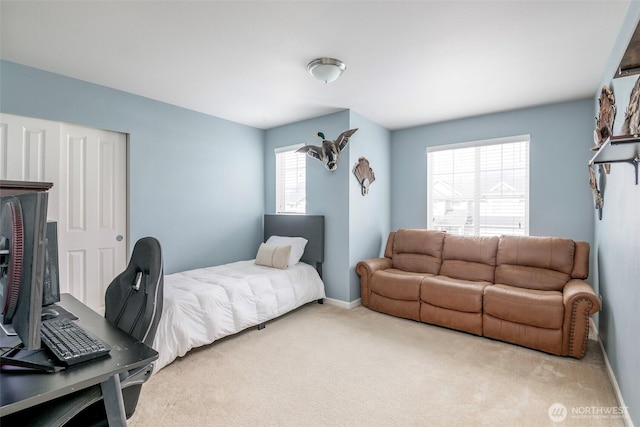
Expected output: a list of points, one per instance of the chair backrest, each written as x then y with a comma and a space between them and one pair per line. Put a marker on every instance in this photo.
133, 301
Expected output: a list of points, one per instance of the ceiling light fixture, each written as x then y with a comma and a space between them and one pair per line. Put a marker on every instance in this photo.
326, 69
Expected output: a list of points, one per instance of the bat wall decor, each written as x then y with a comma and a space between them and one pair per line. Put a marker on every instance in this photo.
329, 152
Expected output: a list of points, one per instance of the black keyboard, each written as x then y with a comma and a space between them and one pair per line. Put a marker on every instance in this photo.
71, 344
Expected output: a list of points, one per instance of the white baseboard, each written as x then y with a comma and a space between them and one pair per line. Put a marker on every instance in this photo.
342, 304
612, 377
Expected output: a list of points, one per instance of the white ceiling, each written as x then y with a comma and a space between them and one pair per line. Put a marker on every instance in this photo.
408, 62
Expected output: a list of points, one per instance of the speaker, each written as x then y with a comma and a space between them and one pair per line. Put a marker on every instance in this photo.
51, 282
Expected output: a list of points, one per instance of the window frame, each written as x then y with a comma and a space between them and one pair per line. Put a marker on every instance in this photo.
280, 180
476, 227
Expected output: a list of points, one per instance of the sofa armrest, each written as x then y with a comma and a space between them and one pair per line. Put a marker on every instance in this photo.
580, 301
365, 269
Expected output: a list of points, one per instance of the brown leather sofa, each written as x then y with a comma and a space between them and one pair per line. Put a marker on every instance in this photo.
524, 290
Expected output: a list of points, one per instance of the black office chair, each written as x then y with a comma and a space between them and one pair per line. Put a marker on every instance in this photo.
133, 302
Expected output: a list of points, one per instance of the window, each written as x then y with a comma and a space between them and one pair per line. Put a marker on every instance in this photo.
291, 177
479, 188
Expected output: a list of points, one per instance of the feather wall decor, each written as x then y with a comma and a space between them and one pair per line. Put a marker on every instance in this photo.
631, 125
364, 174
605, 119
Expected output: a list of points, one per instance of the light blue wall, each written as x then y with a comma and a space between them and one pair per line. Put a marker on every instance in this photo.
560, 199
617, 244
354, 225
195, 181
369, 216
327, 192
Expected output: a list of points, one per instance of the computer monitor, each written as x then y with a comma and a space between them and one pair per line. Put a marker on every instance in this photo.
23, 223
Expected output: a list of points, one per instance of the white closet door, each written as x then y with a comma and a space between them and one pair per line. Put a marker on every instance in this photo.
30, 151
88, 199
93, 215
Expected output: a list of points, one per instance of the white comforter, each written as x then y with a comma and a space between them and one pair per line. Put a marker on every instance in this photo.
203, 305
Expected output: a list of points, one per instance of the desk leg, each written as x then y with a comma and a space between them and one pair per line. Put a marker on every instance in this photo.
113, 403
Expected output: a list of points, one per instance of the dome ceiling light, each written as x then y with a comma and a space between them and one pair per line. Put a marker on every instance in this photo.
326, 69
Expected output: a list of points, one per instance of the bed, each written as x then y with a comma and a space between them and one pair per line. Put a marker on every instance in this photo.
203, 305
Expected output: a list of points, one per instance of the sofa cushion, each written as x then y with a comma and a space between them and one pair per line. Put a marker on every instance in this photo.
549, 340
468, 322
581, 261
543, 309
388, 249
395, 271
469, 257
543, 263
399, 286
531, 277
454, 294
394, 307
419, 251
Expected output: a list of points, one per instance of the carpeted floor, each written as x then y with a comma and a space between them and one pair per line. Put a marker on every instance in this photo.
326, 366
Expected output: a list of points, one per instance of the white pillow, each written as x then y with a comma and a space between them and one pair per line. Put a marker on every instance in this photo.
297, 246
273, 256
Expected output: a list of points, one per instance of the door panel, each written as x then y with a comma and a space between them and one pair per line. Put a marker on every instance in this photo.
30, 151
88, 199
95, 208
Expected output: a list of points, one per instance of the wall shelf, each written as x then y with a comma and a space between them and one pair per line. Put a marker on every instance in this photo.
630, 63
619, 149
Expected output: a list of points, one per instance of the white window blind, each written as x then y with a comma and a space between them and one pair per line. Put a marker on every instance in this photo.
479, 188
290, 180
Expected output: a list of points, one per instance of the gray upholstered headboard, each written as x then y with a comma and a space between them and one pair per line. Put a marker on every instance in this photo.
311, 227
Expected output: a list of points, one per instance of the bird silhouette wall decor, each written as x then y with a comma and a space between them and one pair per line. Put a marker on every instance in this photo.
329, 152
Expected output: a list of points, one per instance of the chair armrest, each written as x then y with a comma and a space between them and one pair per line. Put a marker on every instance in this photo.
577, 289
136, 376
580, 301
365, 269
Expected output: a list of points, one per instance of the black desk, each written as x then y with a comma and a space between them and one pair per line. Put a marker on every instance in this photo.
19, 391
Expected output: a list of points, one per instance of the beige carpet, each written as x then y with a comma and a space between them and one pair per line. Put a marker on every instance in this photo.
326, 366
